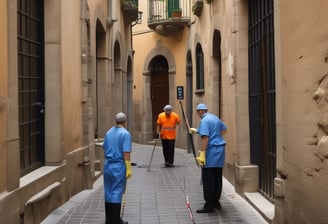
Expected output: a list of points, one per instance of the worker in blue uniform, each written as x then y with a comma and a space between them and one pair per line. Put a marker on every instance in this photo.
117, 168
211, 157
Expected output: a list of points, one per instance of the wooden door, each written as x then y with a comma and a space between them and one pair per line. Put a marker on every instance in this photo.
159, 92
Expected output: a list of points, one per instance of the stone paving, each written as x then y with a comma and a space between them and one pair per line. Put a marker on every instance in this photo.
158, 196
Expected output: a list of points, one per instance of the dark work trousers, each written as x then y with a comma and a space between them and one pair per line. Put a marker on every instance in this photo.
168, 151
113, 213
212, 186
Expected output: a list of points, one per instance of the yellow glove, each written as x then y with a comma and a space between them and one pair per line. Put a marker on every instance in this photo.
193, 131
128, 173
201, 159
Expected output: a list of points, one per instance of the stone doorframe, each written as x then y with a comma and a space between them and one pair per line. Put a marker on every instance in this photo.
146, 122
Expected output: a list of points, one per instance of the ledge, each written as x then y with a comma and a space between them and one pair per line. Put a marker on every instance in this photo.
261, 204
35, 175
43, 194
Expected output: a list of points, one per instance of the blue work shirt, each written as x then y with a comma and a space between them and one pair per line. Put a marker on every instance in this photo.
117, 141
211, 126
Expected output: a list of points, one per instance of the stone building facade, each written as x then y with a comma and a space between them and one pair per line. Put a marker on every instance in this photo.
65, 70
262, 67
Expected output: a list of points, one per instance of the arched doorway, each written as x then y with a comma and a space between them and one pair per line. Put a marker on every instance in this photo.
118, 80
129, 77
216, 52
159, 87
98, 87
189, 94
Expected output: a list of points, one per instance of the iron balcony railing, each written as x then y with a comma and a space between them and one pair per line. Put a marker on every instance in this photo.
169, 12
132, 3
130, 10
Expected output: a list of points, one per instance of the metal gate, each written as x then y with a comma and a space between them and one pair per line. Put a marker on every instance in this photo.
30, 83
262, 93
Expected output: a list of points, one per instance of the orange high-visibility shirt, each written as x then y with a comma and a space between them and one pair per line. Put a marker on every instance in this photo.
168, 125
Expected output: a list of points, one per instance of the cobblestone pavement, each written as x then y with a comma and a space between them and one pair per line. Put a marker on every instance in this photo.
158, 196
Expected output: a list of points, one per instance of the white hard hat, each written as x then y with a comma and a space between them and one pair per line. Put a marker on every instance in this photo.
167, 107
201, 106
120, 117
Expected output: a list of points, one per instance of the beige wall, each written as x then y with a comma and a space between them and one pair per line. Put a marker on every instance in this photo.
71, 156
71, 78
302, 38
175, 45
3, 94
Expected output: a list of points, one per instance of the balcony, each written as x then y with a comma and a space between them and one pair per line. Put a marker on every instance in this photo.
130, 10
197, 7
168, 16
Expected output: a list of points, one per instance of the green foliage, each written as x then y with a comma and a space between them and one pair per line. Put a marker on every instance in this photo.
132, 3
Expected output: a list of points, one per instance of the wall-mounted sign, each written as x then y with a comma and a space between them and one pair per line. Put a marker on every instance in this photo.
180, 92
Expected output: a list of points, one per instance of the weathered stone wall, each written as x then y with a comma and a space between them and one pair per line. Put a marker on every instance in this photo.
3, 95
302, 59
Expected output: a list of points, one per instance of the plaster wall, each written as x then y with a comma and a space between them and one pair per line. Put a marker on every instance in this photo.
99, 66
303, 151
31, 197
67, 170
71, 75
141, 52
3, 94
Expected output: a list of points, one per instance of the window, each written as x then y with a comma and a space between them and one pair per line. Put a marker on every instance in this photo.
199, 69
31, 84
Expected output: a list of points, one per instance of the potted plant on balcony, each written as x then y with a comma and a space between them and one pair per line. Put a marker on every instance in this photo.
197, 7
177, 13
131, 3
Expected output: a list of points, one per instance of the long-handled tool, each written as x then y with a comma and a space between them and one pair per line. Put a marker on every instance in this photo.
124, 199
188, 202
189, 134
190, 211
152, 153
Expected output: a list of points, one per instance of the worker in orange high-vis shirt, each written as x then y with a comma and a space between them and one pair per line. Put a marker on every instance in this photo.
167, 123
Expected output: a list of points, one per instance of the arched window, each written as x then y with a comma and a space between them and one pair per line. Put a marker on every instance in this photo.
199, 69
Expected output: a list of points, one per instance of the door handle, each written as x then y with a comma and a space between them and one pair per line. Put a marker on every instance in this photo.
40, 106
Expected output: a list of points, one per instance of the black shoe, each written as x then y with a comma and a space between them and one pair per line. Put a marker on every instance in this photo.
205, 210
218, 206
124, 222
170, 165
167, 165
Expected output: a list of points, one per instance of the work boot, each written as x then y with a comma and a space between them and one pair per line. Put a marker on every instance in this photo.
218, 205
116, 214
205, 210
